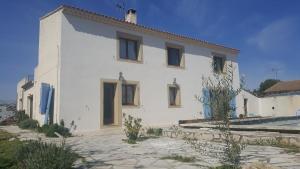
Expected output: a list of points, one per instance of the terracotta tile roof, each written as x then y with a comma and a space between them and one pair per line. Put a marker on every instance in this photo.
285, 86
92, 15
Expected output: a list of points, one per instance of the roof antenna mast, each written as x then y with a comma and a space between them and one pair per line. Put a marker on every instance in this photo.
275, 71
121, 6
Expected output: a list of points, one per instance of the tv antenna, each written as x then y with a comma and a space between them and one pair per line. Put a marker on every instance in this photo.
121, 6
275, 71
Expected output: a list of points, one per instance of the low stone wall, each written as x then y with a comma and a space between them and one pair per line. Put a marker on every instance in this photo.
263, 120
214, 135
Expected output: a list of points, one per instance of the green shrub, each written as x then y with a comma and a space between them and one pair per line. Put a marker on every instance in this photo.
5, 135
37, 155
154, 131
288, 147
132, 128
179, 158
8, 149
21, 116
50, 130
15, 154
62, 122
28, 124
225, 166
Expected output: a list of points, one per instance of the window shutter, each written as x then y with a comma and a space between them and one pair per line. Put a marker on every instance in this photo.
206, 104
44, 92
233, 105
136, 95
48, 105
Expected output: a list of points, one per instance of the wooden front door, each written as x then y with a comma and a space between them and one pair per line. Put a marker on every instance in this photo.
245, 107
30, 104
109, 90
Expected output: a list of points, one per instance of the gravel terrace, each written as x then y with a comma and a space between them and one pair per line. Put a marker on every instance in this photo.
105, 149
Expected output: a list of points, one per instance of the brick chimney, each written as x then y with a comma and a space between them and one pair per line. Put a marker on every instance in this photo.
131, 16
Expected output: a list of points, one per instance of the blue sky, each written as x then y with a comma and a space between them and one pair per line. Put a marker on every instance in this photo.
266, 31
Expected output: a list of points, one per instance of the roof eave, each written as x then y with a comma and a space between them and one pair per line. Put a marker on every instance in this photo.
82, 12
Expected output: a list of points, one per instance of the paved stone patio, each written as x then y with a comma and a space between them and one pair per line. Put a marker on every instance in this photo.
105, 149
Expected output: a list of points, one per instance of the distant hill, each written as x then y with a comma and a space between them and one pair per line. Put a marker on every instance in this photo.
7, 101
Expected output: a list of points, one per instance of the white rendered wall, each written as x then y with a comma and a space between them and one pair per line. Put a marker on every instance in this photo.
20, 93
47, 70
284, 105
26, 106
88, 54
252, 105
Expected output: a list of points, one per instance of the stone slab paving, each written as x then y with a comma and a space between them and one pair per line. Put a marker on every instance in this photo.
105, 149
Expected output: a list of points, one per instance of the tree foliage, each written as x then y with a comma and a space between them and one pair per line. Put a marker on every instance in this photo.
222, 91
265, 85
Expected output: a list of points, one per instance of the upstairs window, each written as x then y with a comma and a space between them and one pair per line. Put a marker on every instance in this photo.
175, 55
218, 64
174, 96
128, 49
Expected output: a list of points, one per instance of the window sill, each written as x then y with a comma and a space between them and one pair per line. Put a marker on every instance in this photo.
176, 67
130, 106
130, 61
220, 73
107, 126
174, 106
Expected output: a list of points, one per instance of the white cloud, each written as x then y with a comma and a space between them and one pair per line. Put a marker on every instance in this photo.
274, 36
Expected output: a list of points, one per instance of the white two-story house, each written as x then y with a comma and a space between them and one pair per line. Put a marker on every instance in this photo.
92, 68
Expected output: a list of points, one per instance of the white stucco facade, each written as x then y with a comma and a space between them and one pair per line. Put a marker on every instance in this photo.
76, 54
23, 94
251, 107
280, 105
275, 105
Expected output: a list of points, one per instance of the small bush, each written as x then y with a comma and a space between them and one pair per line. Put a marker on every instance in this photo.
5, 135
132, 128
21, 116
50, 130
259, 165
15, 154
28, 124
289, 148
154, 131
8, 149
62, 122
179, 158
36, 154
225, 167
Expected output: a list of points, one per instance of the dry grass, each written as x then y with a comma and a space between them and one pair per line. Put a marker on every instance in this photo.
179, 158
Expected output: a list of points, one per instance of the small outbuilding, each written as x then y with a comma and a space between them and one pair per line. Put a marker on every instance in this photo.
282, 99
